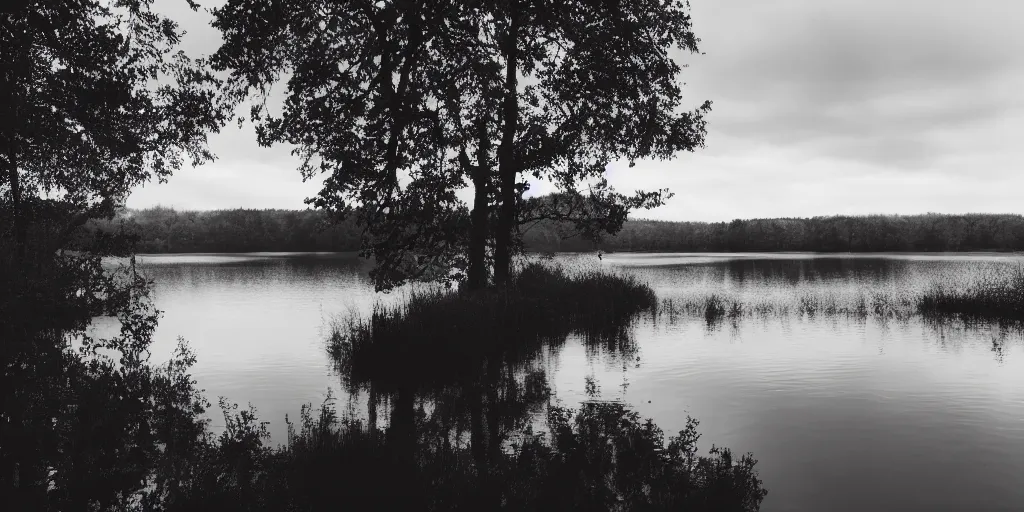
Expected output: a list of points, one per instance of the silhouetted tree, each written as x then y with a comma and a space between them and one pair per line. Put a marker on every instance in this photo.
599, 85
95, 100
401, 103
361, 107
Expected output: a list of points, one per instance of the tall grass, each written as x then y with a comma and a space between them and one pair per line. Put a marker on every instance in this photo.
998, 298
715, 307
440, 336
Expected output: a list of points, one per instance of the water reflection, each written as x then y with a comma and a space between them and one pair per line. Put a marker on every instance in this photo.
464, 376
867, 408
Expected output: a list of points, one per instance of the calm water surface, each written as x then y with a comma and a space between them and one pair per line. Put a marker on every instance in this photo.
842, 413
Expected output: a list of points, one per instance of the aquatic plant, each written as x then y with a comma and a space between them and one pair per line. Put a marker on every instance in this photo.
994, 298
439, 336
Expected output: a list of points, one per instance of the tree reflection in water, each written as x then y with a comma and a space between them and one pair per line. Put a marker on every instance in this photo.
470, 419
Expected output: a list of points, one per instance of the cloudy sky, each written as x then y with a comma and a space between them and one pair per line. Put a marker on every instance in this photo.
821, 107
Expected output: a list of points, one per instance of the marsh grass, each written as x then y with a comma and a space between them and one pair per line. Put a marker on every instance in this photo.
716, 307
440, 336
995, 298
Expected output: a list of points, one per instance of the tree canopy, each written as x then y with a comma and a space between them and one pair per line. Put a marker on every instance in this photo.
402, 103
95, 98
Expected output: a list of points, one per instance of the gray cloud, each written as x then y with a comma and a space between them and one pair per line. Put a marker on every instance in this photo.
844, 50
820, 107
869, 81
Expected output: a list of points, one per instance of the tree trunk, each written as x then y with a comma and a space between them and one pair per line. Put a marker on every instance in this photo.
480, 174
507, 165
478, 238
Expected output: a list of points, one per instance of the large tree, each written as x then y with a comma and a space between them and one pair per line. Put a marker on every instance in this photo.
95, 98
400, 103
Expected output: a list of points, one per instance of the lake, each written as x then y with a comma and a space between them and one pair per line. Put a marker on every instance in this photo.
843, 412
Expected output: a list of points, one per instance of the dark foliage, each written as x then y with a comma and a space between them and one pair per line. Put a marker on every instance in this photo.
600, 457
401, 103
88, 422
95, 98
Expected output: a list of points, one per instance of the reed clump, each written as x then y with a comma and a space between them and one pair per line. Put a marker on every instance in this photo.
999, 299
715, 307
439, 336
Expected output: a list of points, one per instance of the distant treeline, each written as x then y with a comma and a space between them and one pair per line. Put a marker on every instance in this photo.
874, 233
164, 230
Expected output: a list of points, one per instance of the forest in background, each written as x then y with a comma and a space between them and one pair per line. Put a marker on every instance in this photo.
165, 230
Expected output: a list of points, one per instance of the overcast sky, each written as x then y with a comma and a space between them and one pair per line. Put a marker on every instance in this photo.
821, 107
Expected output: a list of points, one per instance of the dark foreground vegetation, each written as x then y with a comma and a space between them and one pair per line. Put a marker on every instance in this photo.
165, 230
599, 457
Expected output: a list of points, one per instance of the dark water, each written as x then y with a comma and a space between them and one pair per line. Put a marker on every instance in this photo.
843, 413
